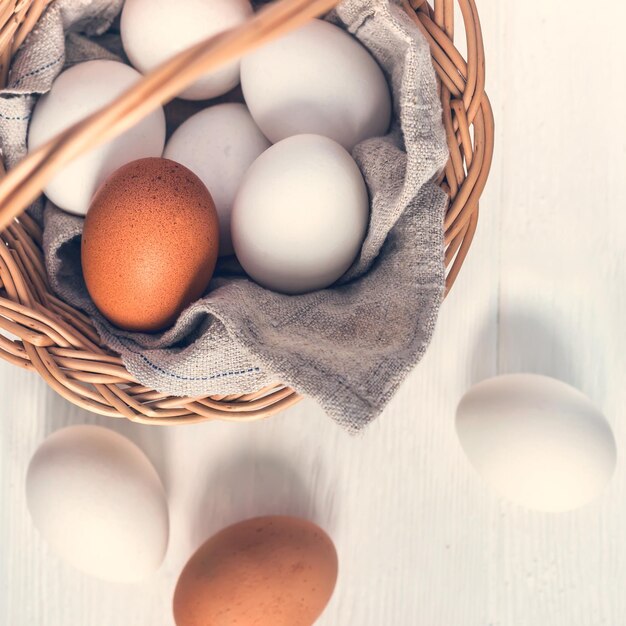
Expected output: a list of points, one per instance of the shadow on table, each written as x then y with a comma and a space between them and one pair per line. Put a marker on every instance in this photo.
251, 484
526, 341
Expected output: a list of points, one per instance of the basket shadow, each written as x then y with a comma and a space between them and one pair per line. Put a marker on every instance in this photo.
527, 341
250, 485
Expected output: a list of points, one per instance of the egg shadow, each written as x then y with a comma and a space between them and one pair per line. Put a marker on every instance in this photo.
526, 341
250, 485
150, 439
178, 111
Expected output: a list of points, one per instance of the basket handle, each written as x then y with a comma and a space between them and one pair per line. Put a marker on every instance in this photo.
24, 183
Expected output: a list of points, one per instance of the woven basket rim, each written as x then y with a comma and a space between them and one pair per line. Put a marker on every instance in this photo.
60, 343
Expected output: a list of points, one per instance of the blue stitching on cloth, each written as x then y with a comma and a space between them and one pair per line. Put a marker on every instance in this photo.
39, 69
212, 377
4, 117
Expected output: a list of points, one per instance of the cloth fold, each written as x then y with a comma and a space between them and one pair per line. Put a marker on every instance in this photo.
349, 346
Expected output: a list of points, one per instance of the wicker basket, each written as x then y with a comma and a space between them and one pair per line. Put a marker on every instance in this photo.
60, 343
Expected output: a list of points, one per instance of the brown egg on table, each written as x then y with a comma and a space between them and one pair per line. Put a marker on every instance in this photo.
150, 244
267, 571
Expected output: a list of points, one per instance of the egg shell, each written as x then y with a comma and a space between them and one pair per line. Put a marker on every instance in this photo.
149, 244
76, 93
219, 144
317, 79
537, 441
300, 215
268, 571
155, 30
99, 503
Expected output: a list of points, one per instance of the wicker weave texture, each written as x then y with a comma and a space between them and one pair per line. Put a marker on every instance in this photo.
59, 342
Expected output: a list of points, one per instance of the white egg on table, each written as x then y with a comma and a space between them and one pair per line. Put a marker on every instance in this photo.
537, 441
300, 215
153, 31
317, 79
77, 93
99, 503
219, 144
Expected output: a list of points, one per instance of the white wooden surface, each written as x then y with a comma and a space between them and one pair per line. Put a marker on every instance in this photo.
421, 540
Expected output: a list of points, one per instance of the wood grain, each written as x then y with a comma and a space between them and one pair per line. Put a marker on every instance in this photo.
421, 540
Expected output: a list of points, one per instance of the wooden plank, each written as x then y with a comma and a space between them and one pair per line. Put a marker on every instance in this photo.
562, 291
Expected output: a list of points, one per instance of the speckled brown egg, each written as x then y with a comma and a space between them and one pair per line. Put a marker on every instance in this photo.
267, 571
150, 244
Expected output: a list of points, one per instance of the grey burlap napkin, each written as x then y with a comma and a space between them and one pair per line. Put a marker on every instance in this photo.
350, 346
